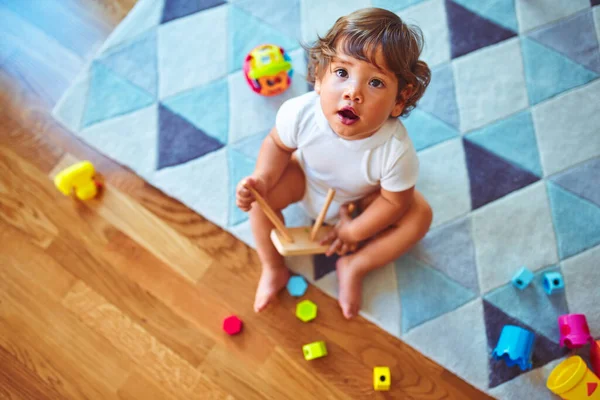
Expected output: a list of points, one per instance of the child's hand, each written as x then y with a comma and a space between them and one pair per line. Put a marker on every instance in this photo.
341, 243
243, 197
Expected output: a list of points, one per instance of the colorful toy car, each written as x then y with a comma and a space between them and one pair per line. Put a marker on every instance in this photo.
268, 70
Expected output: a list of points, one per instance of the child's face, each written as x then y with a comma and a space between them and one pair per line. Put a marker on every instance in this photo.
356, 96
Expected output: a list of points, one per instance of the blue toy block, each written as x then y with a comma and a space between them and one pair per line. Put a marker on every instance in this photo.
522, 278
553, 282
297, 286
515, 346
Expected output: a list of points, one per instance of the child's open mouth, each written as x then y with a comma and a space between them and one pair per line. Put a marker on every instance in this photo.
348, 116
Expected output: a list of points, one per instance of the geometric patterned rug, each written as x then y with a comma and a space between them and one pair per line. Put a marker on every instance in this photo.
508, 135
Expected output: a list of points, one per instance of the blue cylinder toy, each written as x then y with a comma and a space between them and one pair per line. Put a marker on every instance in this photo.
515, 346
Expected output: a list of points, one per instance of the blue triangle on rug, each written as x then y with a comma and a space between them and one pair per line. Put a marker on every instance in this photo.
513, 139
502, 12
470, 31
426, 130
450, 250
206, 107
283, 15
110, 96
395, 5
440, 97
578, 180
182, 8
549, 73
421, 303
179, 141
574, 37
576, 221
250, 145
532, 306
240, 166
544, 350
136, 62
246, 32
492, 177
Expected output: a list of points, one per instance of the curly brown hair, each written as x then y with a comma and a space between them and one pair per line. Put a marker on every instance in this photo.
361, 34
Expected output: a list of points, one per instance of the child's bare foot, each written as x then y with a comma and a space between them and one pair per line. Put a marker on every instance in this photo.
272, 280
350, 287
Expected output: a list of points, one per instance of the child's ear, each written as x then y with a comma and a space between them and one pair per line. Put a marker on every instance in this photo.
398, 108
401, 102
318, 86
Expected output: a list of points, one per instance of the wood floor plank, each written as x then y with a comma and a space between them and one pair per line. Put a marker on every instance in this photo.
196, 305
145, 228
32, 222
41, 334
299, 378
153, 357
80, 250
41, 269
21, 383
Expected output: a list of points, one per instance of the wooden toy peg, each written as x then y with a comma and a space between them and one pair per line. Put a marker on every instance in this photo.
271, 215
321, 217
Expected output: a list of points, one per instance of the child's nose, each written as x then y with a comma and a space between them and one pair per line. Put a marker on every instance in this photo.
353, 93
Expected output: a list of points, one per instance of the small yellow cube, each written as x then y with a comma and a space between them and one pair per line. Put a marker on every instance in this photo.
314, 350
381, 378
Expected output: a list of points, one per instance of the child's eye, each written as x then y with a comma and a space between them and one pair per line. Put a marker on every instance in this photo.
377, 83
342, 73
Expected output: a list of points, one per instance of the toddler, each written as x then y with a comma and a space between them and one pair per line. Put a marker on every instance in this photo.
346, 135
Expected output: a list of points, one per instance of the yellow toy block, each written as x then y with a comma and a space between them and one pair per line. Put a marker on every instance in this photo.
381, 378
314, 350
78, 177
306, 311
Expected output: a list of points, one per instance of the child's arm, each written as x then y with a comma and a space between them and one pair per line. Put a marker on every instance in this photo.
273, 157
384, 211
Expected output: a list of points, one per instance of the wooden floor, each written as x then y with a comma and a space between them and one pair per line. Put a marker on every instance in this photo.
124, 296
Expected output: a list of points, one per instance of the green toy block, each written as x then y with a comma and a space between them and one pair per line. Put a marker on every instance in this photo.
314, 350
306, 311
381, 378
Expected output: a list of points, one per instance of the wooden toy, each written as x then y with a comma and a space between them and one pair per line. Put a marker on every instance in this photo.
314, 350
381, 378
297, 286
553, 282
296, 241
572, 380
522, 278
574, 331
232, 325
515, 347
79, 178
306, 311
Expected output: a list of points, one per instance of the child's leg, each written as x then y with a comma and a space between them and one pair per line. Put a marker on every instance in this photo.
289, 189
385, 247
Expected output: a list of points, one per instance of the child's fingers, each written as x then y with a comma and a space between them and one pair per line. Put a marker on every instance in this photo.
242, 205
343, 249
334, 247
328, 237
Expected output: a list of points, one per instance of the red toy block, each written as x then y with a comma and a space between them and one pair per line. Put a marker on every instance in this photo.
232, 325
595, 356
